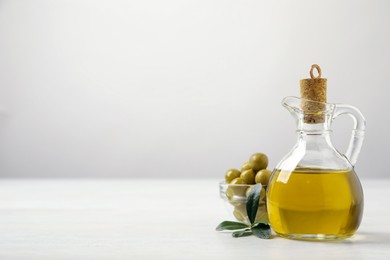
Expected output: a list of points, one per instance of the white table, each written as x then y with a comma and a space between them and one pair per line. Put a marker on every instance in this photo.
158, 219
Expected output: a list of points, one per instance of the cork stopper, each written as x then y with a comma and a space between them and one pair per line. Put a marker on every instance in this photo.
313, 89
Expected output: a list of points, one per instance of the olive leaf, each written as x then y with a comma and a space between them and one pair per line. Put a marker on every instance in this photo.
231, 225
242, 233
261, 230
253, 202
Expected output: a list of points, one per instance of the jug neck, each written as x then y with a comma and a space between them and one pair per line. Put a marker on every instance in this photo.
317, 135
314, 129
315, 138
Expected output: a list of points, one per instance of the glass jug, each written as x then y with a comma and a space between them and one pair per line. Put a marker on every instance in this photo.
314, 193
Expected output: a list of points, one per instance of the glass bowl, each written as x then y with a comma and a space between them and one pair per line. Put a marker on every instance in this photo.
235, 198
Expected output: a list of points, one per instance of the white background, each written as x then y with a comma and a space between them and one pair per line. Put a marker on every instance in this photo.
181, 88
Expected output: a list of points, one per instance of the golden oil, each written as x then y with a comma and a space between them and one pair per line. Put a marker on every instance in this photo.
310, 203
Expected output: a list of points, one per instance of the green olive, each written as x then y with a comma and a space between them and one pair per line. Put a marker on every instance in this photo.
240, 211
258, 161
238, 215
230, 193
238, 190
262, 194
262, 202
245, 167
238, 180
231, 174
248, 176
241, 207
263, 177
262, 214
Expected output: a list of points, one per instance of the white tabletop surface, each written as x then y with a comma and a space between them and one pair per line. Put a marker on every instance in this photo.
158, 219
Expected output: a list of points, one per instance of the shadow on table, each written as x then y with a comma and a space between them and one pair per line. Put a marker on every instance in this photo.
367, 238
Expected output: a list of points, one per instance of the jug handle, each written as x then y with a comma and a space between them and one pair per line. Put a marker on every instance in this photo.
356, 142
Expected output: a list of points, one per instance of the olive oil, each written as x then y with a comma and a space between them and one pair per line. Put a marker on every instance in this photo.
310, 203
